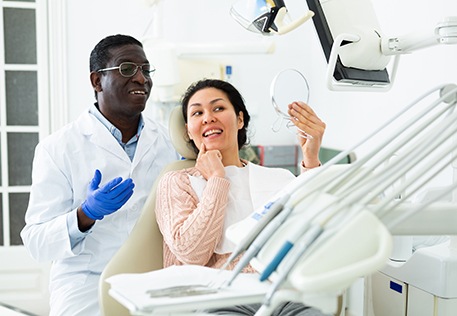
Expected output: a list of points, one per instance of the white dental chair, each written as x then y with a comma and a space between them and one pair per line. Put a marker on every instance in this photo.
142, 251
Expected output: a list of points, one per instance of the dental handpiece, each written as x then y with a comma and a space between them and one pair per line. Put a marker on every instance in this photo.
259, 242
283, 251
270, 211
294, 235
311, 236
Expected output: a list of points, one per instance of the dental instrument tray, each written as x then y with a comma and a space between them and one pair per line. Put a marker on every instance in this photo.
183, 288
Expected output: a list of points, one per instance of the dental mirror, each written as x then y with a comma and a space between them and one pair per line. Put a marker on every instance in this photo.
288, 86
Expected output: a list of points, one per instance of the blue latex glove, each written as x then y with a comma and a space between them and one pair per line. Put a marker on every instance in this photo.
107, 199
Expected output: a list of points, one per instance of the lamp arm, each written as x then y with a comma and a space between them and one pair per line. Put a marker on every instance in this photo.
444, 33
283, 29
408, 43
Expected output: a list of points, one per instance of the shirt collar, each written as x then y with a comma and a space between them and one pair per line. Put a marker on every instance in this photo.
113, 129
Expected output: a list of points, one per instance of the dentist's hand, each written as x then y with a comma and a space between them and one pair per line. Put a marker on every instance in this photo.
107, 199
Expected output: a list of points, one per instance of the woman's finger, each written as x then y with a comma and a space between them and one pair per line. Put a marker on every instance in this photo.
202, 150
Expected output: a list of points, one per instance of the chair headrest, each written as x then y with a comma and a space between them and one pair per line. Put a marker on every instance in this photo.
178, 134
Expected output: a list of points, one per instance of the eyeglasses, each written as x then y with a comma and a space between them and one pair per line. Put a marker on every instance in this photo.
129, 69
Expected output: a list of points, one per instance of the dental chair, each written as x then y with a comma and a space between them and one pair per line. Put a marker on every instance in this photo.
142, 251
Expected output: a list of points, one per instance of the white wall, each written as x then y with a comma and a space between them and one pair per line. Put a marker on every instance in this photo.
349, 115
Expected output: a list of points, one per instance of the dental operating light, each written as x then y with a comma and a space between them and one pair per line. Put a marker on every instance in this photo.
357, 51
267, 17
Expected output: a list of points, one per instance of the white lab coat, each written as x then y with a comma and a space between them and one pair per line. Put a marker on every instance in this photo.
63, 166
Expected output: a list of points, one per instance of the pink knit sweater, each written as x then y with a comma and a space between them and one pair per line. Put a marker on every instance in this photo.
191, 228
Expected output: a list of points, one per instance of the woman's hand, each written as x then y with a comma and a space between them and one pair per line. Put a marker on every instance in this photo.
209, 163
308, 123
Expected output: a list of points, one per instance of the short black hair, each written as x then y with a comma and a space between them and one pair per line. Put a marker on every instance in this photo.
234, 97
100, 55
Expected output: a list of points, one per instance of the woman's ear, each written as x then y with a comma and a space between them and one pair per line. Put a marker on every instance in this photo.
240, 120
95, 81
188, 134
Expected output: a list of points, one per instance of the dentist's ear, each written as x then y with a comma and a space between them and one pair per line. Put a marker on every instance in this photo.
95, 81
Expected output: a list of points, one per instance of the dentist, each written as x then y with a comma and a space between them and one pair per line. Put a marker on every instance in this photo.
91, 178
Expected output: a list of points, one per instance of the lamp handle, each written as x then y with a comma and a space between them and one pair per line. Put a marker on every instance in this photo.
283, 29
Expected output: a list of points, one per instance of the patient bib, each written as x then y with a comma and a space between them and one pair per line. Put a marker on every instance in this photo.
239, 203
250, 188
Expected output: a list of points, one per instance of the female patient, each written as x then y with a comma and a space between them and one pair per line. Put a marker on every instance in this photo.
196, 205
